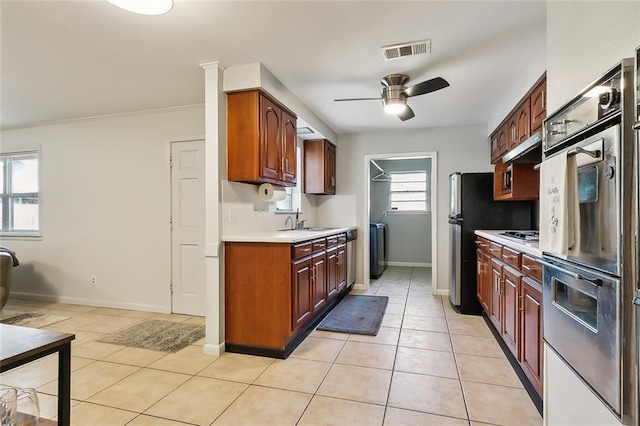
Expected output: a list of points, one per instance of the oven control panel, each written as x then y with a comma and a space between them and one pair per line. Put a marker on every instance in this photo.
599, 100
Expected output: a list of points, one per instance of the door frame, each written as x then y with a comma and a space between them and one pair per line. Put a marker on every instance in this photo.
167, 168
366, 207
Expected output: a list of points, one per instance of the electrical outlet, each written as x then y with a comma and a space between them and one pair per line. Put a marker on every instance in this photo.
232, 216
94, 281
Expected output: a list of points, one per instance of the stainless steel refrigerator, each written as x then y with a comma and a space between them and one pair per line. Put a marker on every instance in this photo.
472, 207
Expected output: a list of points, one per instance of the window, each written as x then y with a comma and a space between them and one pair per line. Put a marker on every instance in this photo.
408, 191
293, 200
20, 203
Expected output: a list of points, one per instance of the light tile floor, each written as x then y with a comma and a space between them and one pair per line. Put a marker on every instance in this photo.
427, 366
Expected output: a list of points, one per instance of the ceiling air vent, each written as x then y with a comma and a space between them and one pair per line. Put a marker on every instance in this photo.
398, 51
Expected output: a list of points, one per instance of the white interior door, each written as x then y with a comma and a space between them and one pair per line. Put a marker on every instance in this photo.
188, 227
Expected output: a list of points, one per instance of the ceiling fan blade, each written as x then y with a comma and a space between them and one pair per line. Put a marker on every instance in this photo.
357, 99
406, 114
426, 87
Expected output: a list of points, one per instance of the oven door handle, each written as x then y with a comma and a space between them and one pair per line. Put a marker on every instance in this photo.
595, 281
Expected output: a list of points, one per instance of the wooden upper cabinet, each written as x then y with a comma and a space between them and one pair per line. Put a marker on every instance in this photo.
319, 167
499, 143
289, 147
270, 139
538, 106
512, 136
494, 148
503, 141
523, 122
261, 140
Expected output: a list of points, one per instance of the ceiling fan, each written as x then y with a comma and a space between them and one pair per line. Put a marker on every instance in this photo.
394, 93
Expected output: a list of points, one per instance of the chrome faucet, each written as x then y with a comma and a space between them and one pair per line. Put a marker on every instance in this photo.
287, 220
299, 223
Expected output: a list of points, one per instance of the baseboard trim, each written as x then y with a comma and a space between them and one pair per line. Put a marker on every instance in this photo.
358, 287
441, 292
410, 264
213, 349
92, 302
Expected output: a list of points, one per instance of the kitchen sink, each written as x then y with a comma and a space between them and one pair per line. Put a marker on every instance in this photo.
312, 228
320, 228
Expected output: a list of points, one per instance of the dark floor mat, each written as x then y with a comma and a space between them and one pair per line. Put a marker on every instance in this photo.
357, 315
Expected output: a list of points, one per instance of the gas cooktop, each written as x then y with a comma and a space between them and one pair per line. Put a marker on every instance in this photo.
522, 235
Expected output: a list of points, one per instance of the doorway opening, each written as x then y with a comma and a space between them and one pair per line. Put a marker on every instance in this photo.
400, 214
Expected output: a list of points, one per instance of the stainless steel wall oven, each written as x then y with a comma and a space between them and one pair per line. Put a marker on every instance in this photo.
588, 293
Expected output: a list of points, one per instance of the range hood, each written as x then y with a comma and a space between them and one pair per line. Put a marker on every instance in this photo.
529, 151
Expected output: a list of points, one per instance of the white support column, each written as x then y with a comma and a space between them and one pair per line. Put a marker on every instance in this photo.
215, 170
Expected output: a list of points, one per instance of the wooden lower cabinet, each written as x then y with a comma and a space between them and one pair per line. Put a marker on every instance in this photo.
319, 280
332, 273
510, 323
275, 293
531, 327
483, 280
302, 292
341, 270
510, 292
495, 310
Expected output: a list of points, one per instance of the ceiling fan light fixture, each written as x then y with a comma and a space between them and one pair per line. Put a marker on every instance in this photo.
395, 106
144, 7
393, 100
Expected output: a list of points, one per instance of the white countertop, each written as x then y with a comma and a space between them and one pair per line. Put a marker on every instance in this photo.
530, 248
285, 237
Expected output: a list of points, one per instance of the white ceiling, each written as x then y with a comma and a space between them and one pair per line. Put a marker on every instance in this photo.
70, 59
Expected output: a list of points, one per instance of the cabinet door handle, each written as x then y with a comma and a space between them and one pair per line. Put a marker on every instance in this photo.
521, 302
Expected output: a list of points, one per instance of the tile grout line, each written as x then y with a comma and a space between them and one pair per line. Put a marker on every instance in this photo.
395, 356
455, 360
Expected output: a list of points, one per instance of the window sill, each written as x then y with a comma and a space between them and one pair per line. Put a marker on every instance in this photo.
408, 212
24, 237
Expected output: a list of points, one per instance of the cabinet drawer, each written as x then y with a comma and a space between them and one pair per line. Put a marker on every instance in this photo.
332, 241
301, 250
531, 267
342, 238
495, 250
483, 243
511, 257
319, 245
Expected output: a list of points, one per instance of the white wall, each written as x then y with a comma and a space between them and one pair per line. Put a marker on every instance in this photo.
512, 95
458, 149
580, 49
105, 208
409, 234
